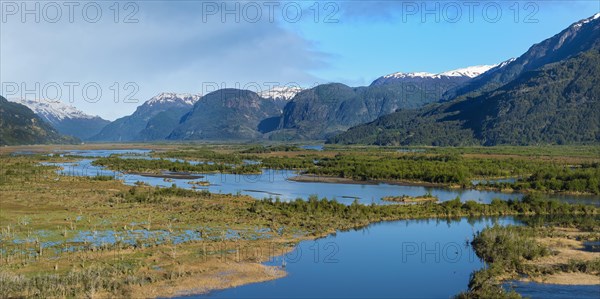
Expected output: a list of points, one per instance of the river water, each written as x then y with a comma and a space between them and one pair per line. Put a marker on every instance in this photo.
273, 183
406, 259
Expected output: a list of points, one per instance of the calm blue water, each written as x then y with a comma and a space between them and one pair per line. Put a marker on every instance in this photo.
274, 183
553, 291
400, 259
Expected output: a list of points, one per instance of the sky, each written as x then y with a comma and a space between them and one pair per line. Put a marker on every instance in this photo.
106, 58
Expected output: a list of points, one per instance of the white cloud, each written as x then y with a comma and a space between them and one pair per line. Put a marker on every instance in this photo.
170, 49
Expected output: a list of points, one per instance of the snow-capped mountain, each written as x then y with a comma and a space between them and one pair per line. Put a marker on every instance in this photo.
67, 119
548, 95
573, 40
171, 97
284, 93
280, 95
469, 72
585, 21
20, 125
453, 77
153, 120
53, 111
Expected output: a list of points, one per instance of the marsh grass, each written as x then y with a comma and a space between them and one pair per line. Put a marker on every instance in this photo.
513, 252
45, 215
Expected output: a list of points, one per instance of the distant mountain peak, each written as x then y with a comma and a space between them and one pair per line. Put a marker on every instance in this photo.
20, 125
506, 62
171, 97
66, 119
457, 76
579, 37
471, 72
282, 93
400, 75
585, 21
53, 111
548, 95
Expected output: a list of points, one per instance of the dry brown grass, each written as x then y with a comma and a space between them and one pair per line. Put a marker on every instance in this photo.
572, 278
565, 247
210, 276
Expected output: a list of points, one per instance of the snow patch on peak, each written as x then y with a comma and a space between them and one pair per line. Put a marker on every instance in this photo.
505, 63
401, 75
53, 111
470, 72
283, 93
172, 97
585, 21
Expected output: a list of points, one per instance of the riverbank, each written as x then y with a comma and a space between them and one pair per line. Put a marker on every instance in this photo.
551, 251
310, 178
567, 247
172, 175
244, 265
411, 199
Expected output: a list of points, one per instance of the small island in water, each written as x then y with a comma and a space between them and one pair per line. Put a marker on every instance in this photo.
411, 199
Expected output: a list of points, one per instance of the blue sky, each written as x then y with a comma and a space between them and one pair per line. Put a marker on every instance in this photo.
187, 46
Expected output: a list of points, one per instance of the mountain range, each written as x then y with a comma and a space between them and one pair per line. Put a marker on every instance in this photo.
20, 125
549, 95
456, 77
153, 120
66, 119
282, 113
329, 109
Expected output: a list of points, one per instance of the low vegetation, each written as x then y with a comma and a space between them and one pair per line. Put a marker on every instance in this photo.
156, 165
67, 236
513, 252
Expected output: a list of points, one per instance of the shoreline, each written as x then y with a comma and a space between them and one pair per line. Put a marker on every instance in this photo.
566, 246
566, 279
410, 199
216, 276
311, 178
183, 176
